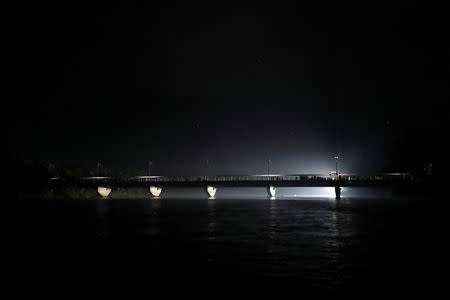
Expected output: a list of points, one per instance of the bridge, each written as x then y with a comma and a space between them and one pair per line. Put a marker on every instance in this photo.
156, 184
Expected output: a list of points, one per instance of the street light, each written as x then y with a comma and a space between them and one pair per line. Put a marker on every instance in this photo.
336, 158
149, 165
99, 164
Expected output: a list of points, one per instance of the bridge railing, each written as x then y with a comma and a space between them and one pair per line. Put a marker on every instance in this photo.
230, 178
249, 178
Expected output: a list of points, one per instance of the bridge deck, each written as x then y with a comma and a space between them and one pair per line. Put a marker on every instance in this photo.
296, 180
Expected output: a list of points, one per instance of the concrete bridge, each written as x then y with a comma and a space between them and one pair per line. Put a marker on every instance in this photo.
156, 184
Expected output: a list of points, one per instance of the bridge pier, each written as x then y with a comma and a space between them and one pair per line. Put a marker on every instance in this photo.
211, 191
337, 191
104, 191
155, 191
272, 190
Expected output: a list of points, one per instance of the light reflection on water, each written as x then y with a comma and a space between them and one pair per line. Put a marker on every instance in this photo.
211, 219
322, 241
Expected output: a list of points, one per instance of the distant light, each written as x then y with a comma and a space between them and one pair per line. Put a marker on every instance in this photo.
103, 191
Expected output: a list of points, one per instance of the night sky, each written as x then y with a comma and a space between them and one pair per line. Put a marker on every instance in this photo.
234, 85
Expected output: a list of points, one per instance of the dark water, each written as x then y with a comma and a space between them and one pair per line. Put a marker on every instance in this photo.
316, 245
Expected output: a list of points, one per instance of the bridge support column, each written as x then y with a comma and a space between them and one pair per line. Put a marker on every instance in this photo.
211, 191
155, 191
104, 191
272, 190
337, 191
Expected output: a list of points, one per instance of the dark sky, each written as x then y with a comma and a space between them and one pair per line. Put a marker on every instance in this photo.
234, 85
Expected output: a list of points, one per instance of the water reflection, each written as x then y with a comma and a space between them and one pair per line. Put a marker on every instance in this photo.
211, 229
156, 207
343, 209
322, 242
342, 224
211, 219
155, 219
103, 219
272, 226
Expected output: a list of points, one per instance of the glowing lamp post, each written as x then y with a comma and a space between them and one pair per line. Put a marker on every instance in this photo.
99, 164
336, 158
